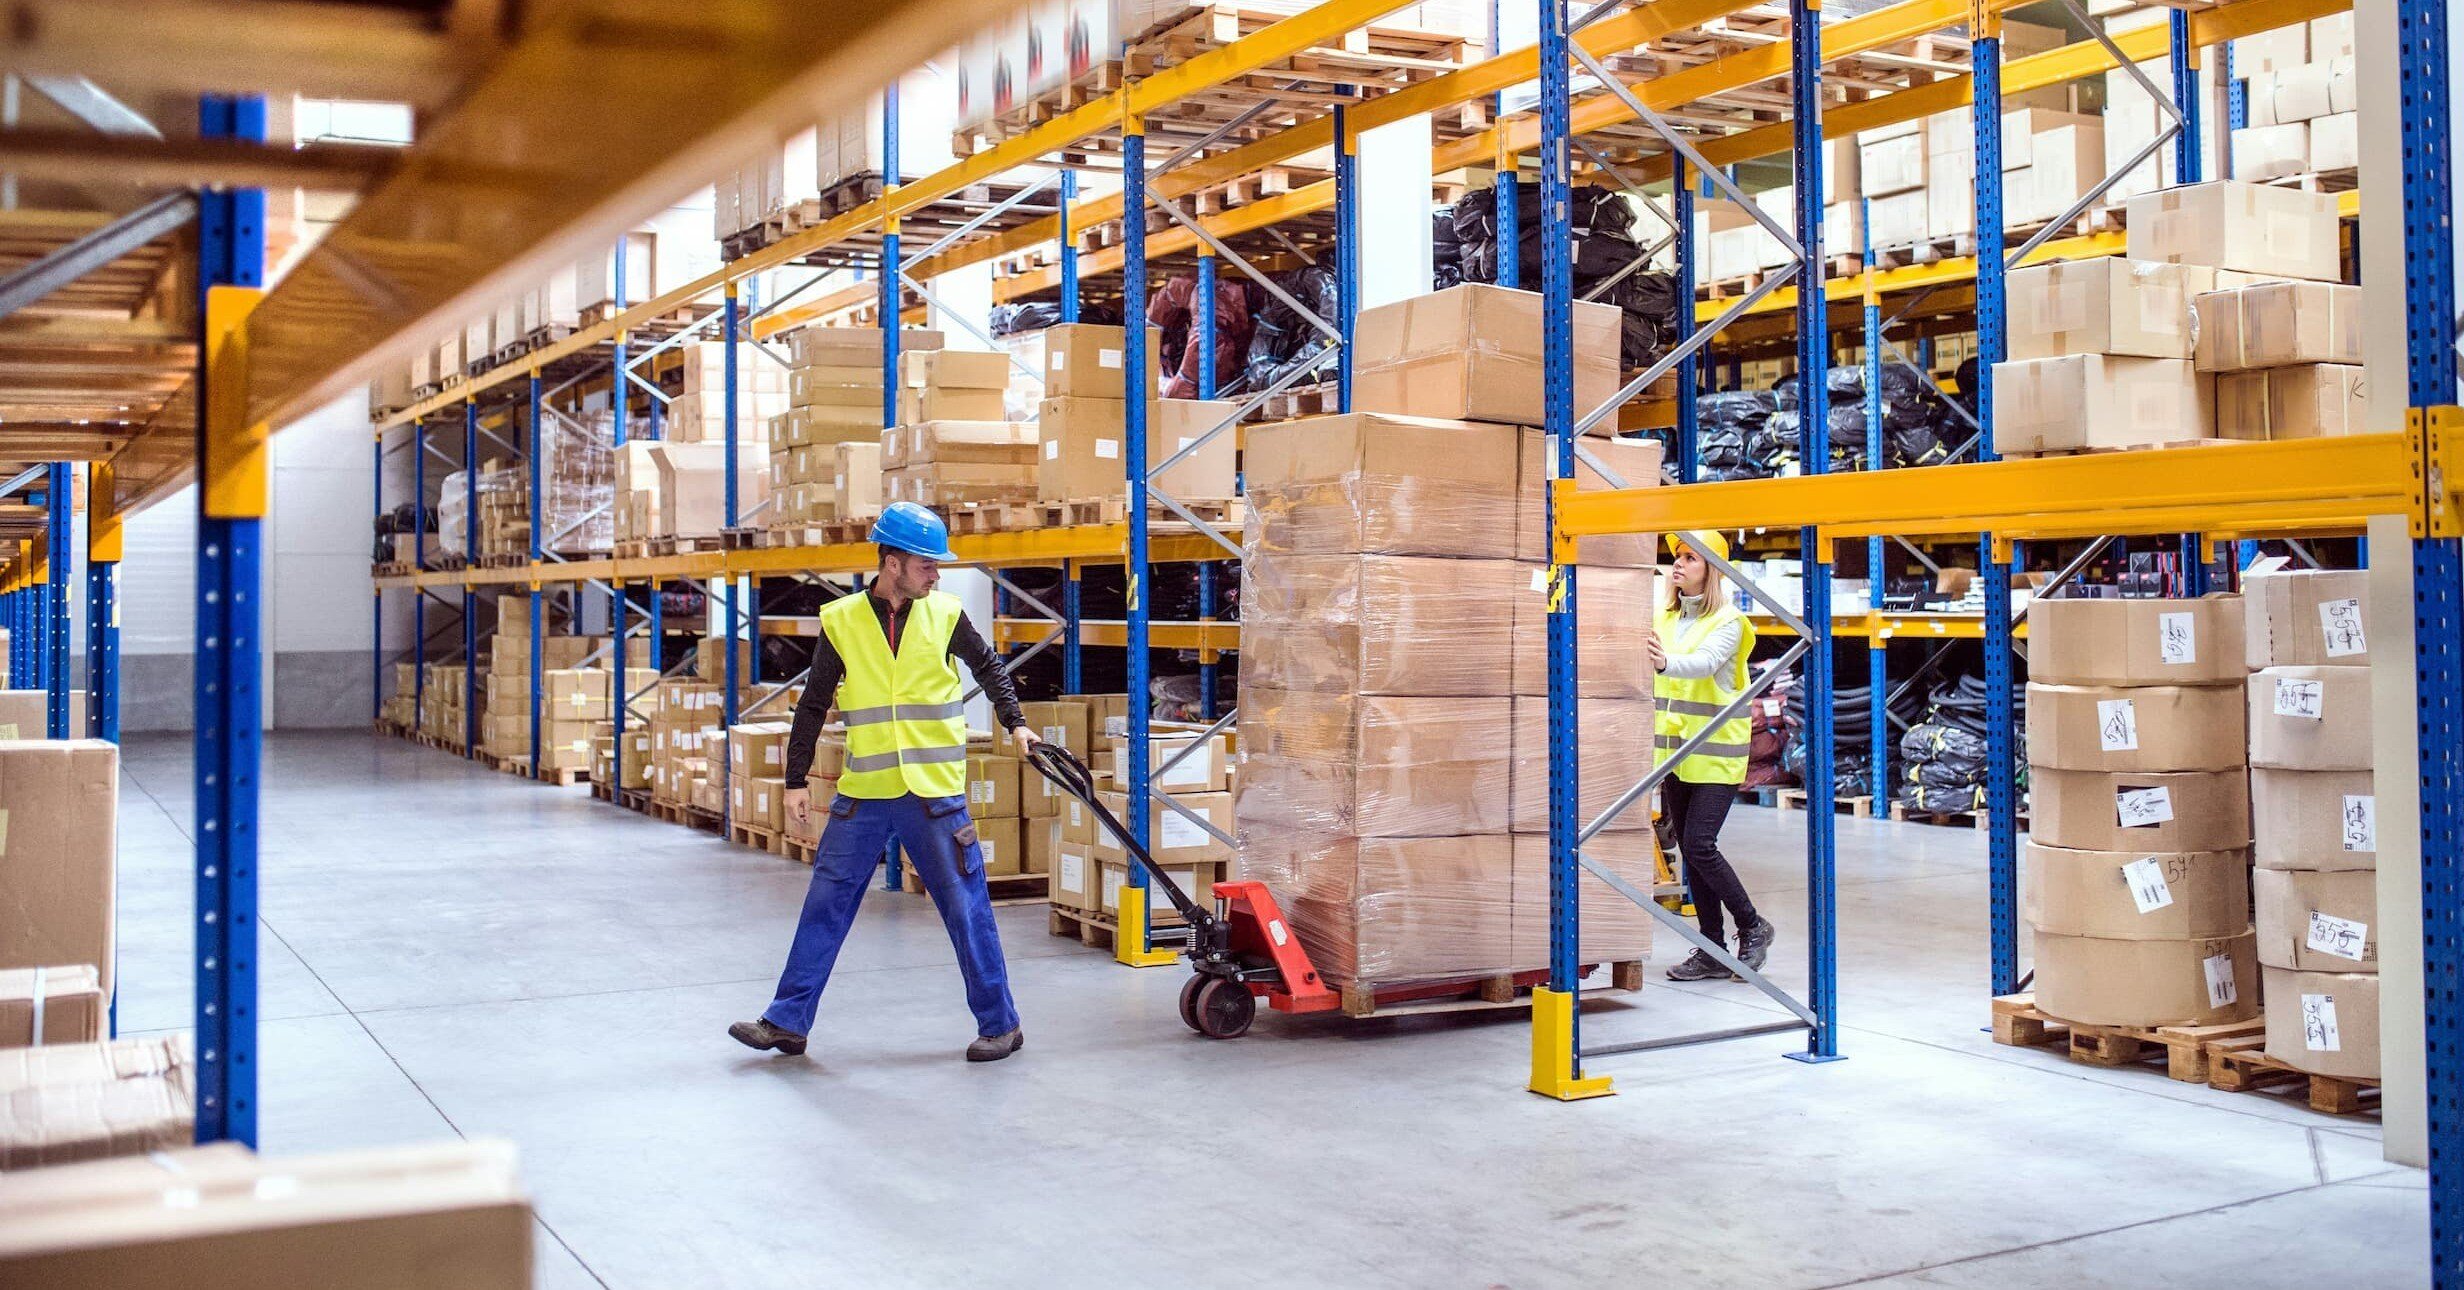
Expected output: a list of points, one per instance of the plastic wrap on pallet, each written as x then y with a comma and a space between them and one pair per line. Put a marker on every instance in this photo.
1375, 624
453, 514
1392, 485
580, 492
1390, 910
1617, 737
1372, 766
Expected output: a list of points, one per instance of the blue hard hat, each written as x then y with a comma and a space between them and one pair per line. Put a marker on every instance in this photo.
913, 529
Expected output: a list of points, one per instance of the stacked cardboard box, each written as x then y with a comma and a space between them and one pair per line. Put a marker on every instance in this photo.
996, 803
2303, 100
442, 703
826, 446
1194, 857
2288, 359
632, 770
683, 737
2138, 858
56, 889
26, 714
2315, 829
85, 1101
1083, 420
219, 1217
51, 1005
2100, 357
952, 443
577, 701
577, 495
756, 771
1472, 353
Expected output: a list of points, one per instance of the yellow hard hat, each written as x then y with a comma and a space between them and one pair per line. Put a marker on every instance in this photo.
1712, 539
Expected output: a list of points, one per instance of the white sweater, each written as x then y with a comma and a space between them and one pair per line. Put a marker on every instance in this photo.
1717, 657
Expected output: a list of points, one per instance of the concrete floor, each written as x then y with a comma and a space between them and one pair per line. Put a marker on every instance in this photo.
452, 951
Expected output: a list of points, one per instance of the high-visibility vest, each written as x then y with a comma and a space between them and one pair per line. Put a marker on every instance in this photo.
1687, 705
906, 724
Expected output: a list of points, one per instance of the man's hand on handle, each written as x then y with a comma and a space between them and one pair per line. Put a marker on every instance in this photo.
799, 804
1026, 739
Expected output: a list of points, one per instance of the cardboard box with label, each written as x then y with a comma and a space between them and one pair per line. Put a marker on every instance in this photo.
1079, 449
1074, 876
1196, 881
997, 841
1617, 753
758, 750
59, 799
2323, 1022
1472, 353
1382, 484
1064, 723
2105, 306
853, 346
51, 1005
2277, 324
2137, 895
961, 443
756, 803
1365, 766
1202, 771
855, 480
941, 486
1084, 360
2310, 718
1620, 607
2292, 402
2317, 921
1374, 624
2296, 617
2251, 228
2135, 728
1211, 471
2096, 401
2110, 982
933, 403
2094, 810
1107, 714
1172, 838
952, 369
2081, 641
1636, 463
992, 787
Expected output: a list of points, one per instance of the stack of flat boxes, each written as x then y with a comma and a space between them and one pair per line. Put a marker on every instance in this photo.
1083, 420
1385, 578
995, 804
699, 414
2315, 826
756, 774
577, 698
1055, 828
2219, 278
2302, 97
683, 730
440, 713
953, 443
634, 771
826, 448
401, 708
2138, 861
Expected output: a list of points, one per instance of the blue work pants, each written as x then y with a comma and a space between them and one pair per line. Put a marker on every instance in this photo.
940, 842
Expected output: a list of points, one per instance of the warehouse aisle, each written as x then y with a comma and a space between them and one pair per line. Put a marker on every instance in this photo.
450, 950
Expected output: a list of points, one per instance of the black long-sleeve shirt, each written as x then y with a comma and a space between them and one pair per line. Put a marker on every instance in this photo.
821, 684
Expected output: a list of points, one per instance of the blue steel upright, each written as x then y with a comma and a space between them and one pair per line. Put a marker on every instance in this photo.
2438, 614
1814, 448
1069, 253
1133, 465
103, 549
61, 502
2001, 771
1688, 445
1509, 268
470, 594
620, 690
732, 325
2185, 98
420, 512
376, 608
538, 518
1558, 414
1204, 338
1877, 645
229, 653
1347, 253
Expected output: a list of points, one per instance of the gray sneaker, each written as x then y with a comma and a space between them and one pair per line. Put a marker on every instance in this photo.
992, 1048
759, 1033
1754, 943
1698, 967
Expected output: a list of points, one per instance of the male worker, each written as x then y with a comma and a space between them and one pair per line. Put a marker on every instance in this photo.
887, 656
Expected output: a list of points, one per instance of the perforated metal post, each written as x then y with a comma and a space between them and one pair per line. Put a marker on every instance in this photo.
1347, 252
376, 607
620, 690
420, 513
1558, 414
2001, 780
470, 595
1509, 266
60, 504
103, 550
1688, 445
2185, 98
1878, 645
1135, 934
1069, 252
538, 619
730, 337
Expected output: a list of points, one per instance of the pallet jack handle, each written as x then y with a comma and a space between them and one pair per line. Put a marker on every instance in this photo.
1072, 777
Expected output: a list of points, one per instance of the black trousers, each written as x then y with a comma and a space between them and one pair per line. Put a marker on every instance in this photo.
1696, 811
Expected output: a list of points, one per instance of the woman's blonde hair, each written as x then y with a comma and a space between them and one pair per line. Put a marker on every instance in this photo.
1714, 583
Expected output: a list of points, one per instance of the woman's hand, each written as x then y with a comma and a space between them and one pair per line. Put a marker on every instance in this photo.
1659, 656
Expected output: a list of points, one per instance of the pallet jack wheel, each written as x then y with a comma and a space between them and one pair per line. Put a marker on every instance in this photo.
1222, 1008
1189, 1001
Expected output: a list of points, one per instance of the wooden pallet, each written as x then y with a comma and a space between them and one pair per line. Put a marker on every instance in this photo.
795, 535
996, 517
1978, 820
1793, 799
1320, 400
2185, 1051
635, 799
2241, 1065
1092, 510
754, 836
1094, 929
682, 545
503, 561
795, 848
1501, 990
1007, 889
520, 765
740, 539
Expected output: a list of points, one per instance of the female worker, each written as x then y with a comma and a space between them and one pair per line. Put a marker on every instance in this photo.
1699, 650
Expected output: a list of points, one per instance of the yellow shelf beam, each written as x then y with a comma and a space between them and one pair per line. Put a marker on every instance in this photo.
1208, 636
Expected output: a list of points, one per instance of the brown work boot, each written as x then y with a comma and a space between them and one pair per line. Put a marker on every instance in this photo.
759, 1033
992, 1048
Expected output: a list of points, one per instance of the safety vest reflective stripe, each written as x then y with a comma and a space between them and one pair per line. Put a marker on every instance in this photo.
951, 711
1691, 708
905, 757
1671, 743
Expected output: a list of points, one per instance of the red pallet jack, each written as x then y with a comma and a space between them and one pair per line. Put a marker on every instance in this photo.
1245, 953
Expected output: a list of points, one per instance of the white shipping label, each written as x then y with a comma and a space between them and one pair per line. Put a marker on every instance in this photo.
839, 482
2148, 890
991, 853
1186, 440
2117, 725
1075, 819
979, 792
2360, 822
1540, 581
1056, 736
1052, 450
1107, 449
2297, 698
1073, 872
1108, 358
2221, 989
2341, 937
1060, 359
2177, 638
2318, 1024
2340, 623
2139, 808
1198, 768
1181, 831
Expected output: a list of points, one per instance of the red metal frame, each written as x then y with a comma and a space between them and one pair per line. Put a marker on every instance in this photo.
1258, 929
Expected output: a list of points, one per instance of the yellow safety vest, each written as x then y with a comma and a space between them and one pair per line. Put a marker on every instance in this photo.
906, 726
1688, 705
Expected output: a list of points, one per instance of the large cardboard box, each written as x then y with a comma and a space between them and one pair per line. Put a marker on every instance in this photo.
759, 803
1473, 353
1202, 771
972, 443
1636, 463
1074, 875
2137, 895
855, 480
1891, 164
1617, 737
69, 1102
2135, 728
1613, 929
2108, 982
1172, 838
1382, 484
2310, 718
2080, 641
1039, 841
2292, 402
953, 369
853, 346
1081, 455
940, 486
1388, 910
25, 714
693, 487
1375, 624
222, 1218
2296, 617
2317, 921
992, 786
934, 403
2096, 401
1107, 714
1212, 470
2105, 306
2323, 1022
60, 800
51, 1005
758, 749
1197, 881
1064, 722
1084, 360
1619, 608
2277, 324
2250, 228
2335, 139
2272, 151
2094, 810
1368, 766
997, 844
